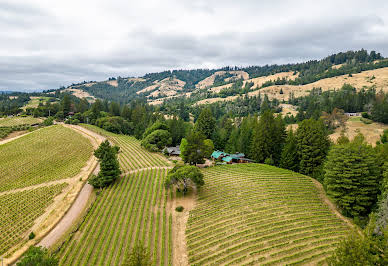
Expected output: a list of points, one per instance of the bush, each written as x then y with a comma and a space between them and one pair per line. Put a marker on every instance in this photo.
179, 208
365, 115
31, 236
48, 121
37, 256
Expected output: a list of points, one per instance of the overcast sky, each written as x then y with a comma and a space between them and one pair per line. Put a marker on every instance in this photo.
47, 44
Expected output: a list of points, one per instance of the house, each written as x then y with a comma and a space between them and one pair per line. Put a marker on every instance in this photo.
230, 158
353, 114
172, 151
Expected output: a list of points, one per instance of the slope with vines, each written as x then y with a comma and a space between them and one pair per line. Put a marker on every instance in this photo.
257, 214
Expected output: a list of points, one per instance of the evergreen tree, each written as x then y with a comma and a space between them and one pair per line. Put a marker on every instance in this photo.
312, 145
66, 104
205, 123
194, 152
268, 138
289, 157
245, 136
109, 165
352, 177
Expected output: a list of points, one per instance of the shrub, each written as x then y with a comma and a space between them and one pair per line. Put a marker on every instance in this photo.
179, 208
31, 236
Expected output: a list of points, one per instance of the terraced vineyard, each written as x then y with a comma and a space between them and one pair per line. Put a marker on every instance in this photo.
254, 214
19, 210
48, 154
132, 156
18, 120
132, 210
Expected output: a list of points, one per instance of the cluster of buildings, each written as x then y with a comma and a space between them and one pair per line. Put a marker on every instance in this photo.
230, 158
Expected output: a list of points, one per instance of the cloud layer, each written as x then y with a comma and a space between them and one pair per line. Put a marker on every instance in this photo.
46, 44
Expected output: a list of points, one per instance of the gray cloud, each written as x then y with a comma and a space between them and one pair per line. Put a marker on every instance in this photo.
46, 44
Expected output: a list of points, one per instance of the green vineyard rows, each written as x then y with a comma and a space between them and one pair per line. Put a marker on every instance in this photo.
131, 211
48, 154
19, 210
253, 214
132, 156
18, 120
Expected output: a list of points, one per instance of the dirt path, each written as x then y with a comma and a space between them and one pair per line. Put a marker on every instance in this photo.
15, 136
145, 169
332, 207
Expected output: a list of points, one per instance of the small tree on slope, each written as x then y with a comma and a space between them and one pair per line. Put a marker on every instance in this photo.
109, 165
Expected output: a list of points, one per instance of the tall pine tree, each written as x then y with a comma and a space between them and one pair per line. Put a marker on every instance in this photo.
352, 177
289, 157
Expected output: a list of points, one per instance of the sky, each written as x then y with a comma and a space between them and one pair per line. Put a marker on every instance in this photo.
45, 44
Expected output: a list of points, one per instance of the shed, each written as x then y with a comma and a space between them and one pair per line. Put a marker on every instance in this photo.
218, 155
173, 151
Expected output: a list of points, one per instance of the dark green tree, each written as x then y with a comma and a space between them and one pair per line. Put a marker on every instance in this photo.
66, 104
312, 144
205, 123
352, 177
157, 140
194, 152
109, 165
289, 156
184, 176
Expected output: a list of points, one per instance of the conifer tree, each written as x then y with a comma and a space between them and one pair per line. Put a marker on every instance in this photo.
289, 157
312, 145
109, 165
352, 177
205, 123
268, 138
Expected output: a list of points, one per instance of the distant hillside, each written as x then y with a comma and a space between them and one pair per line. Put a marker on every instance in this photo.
358, 68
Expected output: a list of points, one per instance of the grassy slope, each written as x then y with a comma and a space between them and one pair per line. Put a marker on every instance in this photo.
18, 120
132, 210
48, 154
260, 214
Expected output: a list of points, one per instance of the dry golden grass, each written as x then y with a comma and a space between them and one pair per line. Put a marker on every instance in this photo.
371, 131
113, 83
260, 80
167, 86
209, 81
288, 109
81, 94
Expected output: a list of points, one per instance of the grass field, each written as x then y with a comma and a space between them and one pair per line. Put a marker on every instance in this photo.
132, 156
254, 214
19, 210
18, 120
48, 154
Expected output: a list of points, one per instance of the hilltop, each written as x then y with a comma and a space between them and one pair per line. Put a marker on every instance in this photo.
357, 68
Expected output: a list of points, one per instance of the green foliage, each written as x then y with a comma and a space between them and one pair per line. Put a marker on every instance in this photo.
205, 123
357, 250
184, 176
37, 256
352, 177
31, 235
109, 165
179, 209
312, 145
138, 256
115, 124
268, 138
48, 121
157, 140
208, 148
158, 125
289, 157
183, 147
194, 152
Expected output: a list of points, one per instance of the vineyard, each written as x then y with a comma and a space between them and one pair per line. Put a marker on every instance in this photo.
132, 210
19, 120
132, 156
19, 210
48, 154
254, 214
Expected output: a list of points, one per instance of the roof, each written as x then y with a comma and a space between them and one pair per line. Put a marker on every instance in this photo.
217, 154
237, 155
173, 150
227, 159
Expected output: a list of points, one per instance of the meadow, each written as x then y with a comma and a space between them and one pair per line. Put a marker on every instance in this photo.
252, 214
